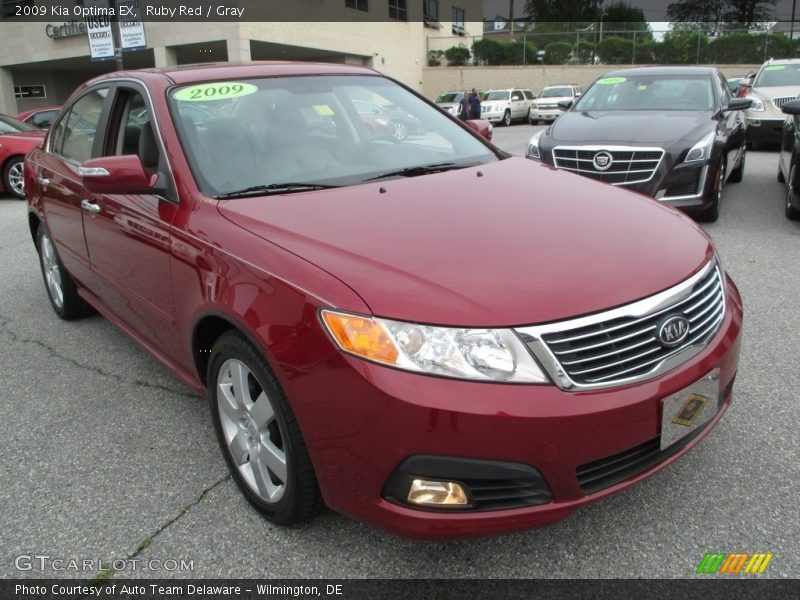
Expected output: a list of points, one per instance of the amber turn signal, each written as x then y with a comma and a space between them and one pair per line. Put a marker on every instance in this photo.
361, 336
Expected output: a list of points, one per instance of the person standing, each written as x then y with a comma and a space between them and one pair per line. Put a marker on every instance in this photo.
463, 110
474, 105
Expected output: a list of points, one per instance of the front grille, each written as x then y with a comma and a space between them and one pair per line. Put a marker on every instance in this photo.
627, 347
779, 102
611, 470
547, 106
628, 166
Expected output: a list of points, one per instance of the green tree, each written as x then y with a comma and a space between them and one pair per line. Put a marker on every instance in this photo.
621, 17
557, 53
519, 52
646, 52
709, 15
457, 55
614, 50
560, 11
488, 51
583, 51
681, 47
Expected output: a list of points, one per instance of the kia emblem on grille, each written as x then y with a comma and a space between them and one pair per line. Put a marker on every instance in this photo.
673, 330
602, 160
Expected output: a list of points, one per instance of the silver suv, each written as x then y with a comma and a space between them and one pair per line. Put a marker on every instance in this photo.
776, 82
545, 107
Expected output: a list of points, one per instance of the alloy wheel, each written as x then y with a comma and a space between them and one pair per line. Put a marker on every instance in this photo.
52, 272
251, 431
16, 179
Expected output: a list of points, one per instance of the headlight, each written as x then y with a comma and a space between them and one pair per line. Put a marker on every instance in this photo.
757, 105
533, 146
701, 150
478, 354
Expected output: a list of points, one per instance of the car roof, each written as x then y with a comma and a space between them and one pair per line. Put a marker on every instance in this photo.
224, 71
661, 71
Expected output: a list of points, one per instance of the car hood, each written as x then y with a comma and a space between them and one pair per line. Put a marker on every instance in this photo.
782, 91
508, 243
637, 127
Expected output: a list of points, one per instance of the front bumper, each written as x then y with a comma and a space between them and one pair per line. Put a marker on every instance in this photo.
764, 131
543, 114
494, 115
365, 420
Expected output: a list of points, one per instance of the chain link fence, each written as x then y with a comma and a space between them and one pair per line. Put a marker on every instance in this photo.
612, 47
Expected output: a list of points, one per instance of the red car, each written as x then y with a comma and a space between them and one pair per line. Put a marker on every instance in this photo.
430, 335
483, 127
16, 140
41, 118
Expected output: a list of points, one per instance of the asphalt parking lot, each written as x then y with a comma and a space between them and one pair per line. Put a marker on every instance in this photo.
107, 456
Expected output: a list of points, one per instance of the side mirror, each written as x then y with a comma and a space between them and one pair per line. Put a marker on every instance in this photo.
116, 175
565, 104
791, 108
744, 90
739, 104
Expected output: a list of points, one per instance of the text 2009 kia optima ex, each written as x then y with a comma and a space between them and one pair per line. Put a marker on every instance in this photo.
427, 334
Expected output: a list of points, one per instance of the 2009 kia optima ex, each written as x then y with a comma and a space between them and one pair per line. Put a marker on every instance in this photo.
428, 334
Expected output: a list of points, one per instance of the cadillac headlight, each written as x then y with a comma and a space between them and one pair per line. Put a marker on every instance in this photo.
533, 146
701, 150
477, 354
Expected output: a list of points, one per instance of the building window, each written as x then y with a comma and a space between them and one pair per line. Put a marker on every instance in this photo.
459, 17
397, 10
430, 11
357, 4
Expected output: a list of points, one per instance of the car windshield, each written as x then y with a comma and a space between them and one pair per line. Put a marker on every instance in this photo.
293, 133
10, 125
777, 75
497, 95
649, 92
555, 92
449, 97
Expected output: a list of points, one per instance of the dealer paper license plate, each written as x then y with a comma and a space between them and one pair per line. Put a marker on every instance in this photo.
690, 409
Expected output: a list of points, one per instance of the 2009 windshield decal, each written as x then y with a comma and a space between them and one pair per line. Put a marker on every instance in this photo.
209, 92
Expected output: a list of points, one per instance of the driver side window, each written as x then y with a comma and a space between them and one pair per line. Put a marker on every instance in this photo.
76, 133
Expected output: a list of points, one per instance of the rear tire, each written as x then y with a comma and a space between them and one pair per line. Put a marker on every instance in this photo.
13, 177
507, 118
258, 433
61, 288
792, 213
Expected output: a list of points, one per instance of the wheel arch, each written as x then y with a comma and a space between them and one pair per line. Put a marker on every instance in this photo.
33, 223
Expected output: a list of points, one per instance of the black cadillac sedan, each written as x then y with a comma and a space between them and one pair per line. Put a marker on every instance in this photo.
673, 133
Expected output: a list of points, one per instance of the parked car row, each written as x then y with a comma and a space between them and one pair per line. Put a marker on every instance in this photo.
400, 329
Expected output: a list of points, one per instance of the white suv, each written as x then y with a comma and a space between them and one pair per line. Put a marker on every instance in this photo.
505, 106
545, 107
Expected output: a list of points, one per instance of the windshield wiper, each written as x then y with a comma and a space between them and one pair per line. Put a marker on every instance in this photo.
421, 170
288, 187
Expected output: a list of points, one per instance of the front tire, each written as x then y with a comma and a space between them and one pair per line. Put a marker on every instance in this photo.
14, 177
61, 288
507, 118
711, 214
737, 174
258, 433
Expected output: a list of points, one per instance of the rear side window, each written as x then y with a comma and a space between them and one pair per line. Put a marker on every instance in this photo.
75, 134
43, 119
528, 94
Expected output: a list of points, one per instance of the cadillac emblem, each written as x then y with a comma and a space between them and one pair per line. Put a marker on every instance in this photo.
602, 161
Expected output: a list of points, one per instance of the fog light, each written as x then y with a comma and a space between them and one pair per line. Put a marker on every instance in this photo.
437, 493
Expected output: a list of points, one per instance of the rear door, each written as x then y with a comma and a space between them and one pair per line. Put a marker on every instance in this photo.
128, 235
519, 107
72, 141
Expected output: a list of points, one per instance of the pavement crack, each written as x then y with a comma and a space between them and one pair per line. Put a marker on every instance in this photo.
5, 327
109, 572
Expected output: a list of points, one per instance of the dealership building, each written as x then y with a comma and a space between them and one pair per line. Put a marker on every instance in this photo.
42, 62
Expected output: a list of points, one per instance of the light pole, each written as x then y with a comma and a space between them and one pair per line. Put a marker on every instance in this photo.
791, 24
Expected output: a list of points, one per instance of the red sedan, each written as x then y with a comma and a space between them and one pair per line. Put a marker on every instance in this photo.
41, 117
16, 140
428, 335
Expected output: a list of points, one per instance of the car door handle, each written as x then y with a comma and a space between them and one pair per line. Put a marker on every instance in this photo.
43, 181
92, 208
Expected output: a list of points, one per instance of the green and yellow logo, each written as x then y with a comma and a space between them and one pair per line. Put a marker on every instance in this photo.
734, 563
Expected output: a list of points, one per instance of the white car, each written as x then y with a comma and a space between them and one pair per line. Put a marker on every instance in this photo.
506, 106
545, 107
